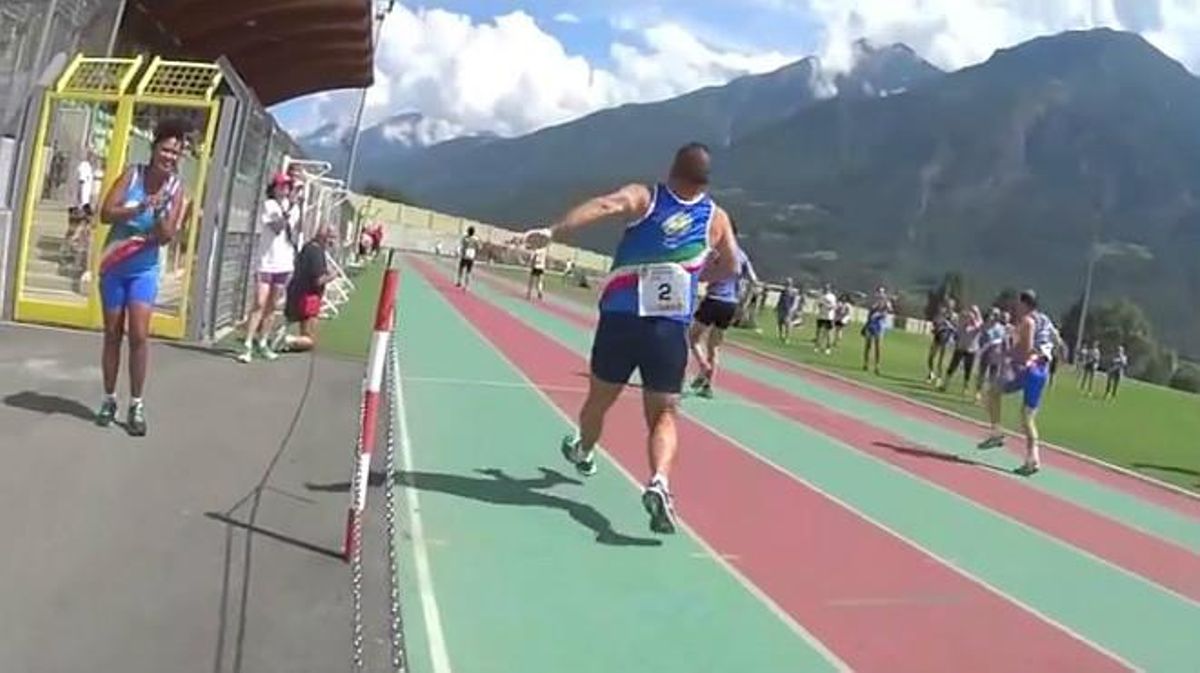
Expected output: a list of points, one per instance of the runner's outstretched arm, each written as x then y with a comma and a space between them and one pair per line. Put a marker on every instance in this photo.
628, 201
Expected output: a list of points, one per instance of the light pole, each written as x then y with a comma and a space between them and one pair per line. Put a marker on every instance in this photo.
380, 15
1097, 252
116, 29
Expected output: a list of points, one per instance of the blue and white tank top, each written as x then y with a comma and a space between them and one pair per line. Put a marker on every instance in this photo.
1044, 333
672, 236
142, 224
726, 289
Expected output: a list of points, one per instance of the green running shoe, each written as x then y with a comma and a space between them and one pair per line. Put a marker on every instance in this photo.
585, 464
107, 413
136, 424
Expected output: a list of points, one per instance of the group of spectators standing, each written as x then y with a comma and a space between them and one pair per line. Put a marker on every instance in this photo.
977, 343
287, 268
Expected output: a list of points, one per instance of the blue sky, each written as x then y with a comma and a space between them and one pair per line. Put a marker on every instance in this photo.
749, 24
472, 66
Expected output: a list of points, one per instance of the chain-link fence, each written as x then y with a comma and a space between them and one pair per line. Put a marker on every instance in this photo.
34, 33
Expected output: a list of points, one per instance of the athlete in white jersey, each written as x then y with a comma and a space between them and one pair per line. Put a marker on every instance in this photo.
537, 274
468, 249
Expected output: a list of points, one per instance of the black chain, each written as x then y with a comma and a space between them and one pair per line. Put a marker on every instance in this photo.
399, 651
356, 569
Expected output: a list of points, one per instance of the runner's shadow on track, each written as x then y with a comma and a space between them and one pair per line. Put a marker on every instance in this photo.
501, 489
930, 454
50, 404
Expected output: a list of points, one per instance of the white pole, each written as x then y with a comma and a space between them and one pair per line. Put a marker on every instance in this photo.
112, 37
362, 99
45, 38
1087, 297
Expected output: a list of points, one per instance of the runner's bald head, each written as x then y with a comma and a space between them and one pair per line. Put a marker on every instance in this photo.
692, 164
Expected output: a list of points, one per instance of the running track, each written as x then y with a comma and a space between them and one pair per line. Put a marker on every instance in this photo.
829, 527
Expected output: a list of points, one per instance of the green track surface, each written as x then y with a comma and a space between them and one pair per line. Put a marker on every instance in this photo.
522, 582
1150, 429
1136, 619
1149, 517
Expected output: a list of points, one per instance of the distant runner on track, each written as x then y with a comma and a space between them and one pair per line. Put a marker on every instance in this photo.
1034, 343
468, 250
537, 275
715, 315
646, 307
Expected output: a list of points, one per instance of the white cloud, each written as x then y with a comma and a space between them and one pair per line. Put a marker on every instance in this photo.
956, 33
508, 76
567, 17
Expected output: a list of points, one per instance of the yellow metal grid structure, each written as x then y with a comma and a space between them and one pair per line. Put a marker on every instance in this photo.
98, 76
179, 81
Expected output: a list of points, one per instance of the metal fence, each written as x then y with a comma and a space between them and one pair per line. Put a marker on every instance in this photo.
36, 33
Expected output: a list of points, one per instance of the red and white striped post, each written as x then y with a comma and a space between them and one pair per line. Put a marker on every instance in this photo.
373, 381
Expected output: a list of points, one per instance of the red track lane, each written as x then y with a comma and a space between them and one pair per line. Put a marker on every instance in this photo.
863, 592
1151, 557
1140, 488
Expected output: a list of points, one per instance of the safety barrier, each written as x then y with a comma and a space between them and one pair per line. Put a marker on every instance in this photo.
382, 368
384, 319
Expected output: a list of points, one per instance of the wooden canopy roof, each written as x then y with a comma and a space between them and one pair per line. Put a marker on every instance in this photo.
282, 48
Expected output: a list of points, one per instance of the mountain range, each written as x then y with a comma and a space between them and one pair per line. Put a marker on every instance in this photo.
1009, 171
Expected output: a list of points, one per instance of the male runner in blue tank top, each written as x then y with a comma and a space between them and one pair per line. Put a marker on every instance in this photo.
646, 307
1034, 344
715, 315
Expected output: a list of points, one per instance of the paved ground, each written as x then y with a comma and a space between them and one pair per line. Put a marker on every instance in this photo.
134, 555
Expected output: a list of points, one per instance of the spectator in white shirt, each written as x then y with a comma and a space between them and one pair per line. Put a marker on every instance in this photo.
278, 230
85, 178
826, 313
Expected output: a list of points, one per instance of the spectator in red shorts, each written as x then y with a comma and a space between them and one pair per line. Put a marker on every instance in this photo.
376, 238
306, 290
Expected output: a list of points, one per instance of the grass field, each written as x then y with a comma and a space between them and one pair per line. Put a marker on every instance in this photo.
1150, 429
349, 334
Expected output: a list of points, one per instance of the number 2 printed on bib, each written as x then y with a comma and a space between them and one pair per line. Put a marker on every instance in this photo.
664, 290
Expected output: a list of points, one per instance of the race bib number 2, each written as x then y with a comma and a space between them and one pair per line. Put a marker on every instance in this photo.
664, 290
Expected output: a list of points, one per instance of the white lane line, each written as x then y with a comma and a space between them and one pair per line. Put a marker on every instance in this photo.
753, 589
884, 527
439, 658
